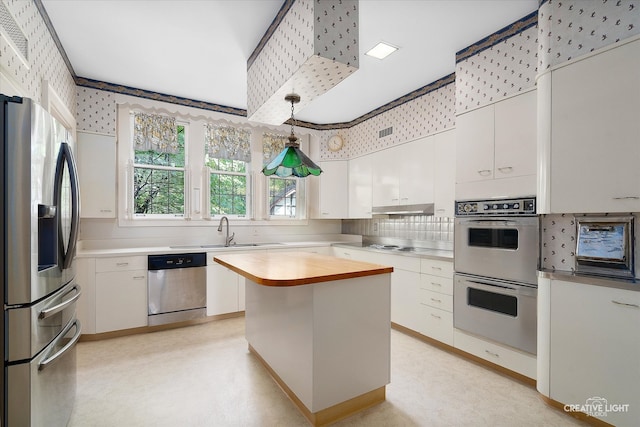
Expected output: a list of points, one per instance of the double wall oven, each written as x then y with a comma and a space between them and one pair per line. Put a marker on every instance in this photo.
496, 259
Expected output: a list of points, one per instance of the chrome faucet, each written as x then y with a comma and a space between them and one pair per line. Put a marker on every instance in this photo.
227, 239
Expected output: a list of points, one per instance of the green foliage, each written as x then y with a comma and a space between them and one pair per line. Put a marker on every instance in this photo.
159, 191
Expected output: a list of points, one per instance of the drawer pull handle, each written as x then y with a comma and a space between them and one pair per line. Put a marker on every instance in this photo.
506, 169
436, 300
436, 268
122, 264
138, 277
485, 172
436, 284
627, 198
626, 304
490, 353
436, 316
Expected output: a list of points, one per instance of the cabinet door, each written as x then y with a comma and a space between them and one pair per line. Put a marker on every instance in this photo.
444, 173
405, 303
415, 171
515, 136
385, 165
333, 190
595, 347
222, 290
475, 145
121, 300
97, 175
595, 150
360, 187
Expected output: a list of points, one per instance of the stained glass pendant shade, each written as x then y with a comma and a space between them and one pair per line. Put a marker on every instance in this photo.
292, 161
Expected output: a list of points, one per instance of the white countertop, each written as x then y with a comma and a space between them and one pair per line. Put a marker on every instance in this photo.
150, 250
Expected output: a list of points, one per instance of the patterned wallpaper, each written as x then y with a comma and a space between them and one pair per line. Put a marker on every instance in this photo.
96, 111
498, 71
558, 242
313, 48
45, 61
569, 29
428, 114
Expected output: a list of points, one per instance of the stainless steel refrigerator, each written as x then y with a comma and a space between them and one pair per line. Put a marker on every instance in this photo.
40, 214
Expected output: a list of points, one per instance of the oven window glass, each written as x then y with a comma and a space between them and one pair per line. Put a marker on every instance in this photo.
503, 238
505, 304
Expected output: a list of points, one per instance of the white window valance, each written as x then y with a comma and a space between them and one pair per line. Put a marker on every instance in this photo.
272, 145
227, 142
155, 132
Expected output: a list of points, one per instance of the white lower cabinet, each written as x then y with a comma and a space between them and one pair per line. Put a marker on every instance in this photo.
594, 349
507, 357
120, 293
405, 309
225, 288
223, 294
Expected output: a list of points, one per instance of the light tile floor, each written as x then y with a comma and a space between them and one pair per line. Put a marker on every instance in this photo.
203, 375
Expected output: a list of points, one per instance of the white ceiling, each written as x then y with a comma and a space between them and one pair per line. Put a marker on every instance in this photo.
199, 49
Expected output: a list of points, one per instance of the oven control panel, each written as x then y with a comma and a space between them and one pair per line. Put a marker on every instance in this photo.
524, 206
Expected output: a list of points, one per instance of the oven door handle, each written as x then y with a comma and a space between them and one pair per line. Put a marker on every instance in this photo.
493, 222
504, 289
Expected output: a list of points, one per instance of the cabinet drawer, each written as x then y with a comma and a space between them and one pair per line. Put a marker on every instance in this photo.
437, 324
514, 360
401, 262
443, 285
436, 300
437, 267
123, 263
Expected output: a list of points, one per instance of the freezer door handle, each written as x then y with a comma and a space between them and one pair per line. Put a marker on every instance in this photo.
58, 354
48, 312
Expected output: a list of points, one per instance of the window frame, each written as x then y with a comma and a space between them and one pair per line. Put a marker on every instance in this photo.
184, 169
248, 192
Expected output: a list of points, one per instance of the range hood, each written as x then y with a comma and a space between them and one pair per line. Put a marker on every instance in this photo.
421, 209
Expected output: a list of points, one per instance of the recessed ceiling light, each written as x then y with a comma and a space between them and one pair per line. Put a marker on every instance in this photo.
381, 50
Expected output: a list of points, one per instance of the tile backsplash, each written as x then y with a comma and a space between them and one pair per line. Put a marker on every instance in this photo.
412, 227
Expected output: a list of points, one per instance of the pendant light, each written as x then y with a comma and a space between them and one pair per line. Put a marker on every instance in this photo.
292, 161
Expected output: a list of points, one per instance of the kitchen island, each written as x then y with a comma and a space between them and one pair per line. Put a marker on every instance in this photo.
321, 327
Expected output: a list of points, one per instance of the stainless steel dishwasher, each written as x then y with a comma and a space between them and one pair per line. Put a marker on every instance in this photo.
177, 287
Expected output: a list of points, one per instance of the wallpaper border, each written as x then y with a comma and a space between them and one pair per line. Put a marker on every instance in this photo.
272, 28
504, 33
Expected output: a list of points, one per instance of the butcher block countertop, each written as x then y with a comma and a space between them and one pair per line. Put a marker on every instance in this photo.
296, 268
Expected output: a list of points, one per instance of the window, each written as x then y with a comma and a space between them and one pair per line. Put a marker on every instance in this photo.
282, 196
283, 193
228, 155
158, 166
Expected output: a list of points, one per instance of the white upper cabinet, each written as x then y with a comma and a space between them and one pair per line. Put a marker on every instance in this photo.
97, 175
332, 191
444, 184
515, 138
404, 174
360, 187
475, 145
594, 151
496, 149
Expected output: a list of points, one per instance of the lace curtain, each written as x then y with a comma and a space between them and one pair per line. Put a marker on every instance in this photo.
272, 145
227, 142
155, 132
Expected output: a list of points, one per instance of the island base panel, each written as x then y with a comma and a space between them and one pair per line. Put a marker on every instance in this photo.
334, 413
328, 342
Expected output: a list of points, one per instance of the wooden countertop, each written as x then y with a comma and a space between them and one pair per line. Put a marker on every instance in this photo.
296, 268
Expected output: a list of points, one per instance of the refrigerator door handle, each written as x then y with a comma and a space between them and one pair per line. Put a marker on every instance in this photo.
59, 307
65, 156
58, 354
